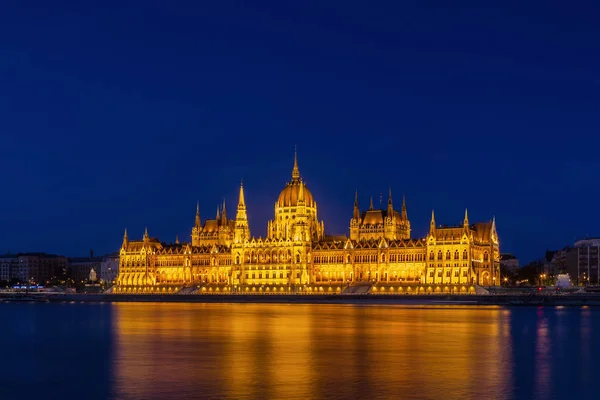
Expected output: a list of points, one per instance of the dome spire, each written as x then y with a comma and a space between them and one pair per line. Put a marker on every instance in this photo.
295, 170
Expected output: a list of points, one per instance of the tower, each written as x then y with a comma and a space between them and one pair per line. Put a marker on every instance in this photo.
241, 230
197, 229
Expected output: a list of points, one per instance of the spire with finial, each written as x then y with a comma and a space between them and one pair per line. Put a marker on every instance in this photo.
241, 199
146, 237
432, 223
125, 239
404, 213
371, 203
356, 215
295, 170
218, 217
241, 230
390, 207
466, 220
197, 225
176, 239
224, 214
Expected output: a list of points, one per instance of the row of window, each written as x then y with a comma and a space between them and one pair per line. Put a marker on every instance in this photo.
465, 273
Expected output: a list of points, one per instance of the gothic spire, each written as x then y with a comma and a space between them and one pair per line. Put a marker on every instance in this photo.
404, 213
295, 170
371, 203
241, 199
198, 214
176, 239
125, 239
356, 215
466, 220
224, 214
432, 223
218, 217
390, 206
146, 237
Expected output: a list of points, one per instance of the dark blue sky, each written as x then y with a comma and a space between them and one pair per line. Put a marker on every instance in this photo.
123, 114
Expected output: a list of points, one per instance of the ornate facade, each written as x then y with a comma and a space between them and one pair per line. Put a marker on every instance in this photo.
296, 256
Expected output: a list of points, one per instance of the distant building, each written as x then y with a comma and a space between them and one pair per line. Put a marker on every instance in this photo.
35, 267
109, 268
586, 270
509, 262
80, 267
8, 264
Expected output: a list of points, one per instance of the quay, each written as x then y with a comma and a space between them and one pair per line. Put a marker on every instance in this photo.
550, 300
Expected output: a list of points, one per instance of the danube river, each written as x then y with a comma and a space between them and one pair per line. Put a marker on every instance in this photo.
298, 351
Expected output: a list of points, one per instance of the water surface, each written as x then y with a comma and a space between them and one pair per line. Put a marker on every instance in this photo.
297, 351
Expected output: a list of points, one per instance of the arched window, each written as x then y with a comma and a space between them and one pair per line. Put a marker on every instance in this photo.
486, 256
237, 259
456, 255
383, 258
431, 256
439, 255
447, 254
298, 258
348, 259
465, 255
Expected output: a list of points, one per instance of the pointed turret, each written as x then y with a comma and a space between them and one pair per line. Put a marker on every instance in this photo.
176, 239
224, 214
295, 170
241, 230
466, 220
432, 223
301, 194
241, 199
197, 224
404, 213
218, 217
390, 207
125, 240
356, 214
146, 237
371, 203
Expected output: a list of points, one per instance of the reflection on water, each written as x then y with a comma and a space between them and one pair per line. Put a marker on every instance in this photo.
310, 351
267, 351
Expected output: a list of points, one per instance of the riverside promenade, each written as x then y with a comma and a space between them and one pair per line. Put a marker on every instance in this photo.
577, 300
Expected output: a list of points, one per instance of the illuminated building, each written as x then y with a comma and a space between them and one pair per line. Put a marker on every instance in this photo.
297, 256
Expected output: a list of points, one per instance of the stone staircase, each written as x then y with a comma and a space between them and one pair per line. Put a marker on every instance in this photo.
358, 288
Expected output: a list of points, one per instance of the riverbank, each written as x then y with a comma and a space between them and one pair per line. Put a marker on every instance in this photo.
576, 300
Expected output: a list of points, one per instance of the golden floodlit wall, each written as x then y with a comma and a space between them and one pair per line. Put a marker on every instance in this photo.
379, 256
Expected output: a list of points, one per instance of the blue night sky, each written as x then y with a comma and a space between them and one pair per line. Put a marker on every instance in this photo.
123, 114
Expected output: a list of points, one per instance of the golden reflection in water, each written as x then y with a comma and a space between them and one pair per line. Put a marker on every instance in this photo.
270, 351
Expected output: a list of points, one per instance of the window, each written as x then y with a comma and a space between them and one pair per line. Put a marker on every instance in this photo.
439, 255
465, 255
448, 255
383, 258
448, 274
486, 256
456, 255
431, 256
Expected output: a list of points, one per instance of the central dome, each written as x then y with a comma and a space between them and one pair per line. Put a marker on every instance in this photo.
290, 193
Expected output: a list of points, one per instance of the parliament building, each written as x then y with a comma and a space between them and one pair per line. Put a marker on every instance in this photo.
379, 256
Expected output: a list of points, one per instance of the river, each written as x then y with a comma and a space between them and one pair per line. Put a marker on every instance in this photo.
297, 351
